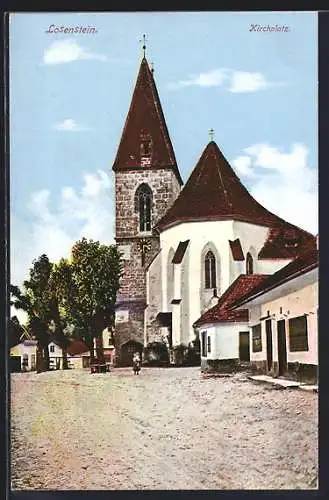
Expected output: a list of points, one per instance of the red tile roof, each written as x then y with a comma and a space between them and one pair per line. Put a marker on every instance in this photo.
308, 260
286, 243
236, 249
221, 311
77, 347
180, 252
145, 118
214, 192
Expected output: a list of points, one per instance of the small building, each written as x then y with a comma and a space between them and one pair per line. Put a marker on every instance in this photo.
55, 355
25, 353
78, 355
224, 334
108, 347
283, 320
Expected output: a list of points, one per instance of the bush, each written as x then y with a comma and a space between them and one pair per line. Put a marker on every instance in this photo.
156, 354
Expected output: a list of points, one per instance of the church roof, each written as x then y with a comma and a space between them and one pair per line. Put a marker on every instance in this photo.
145, 119
214, 192
221, 311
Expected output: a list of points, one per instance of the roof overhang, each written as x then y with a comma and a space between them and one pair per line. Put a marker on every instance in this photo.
277, 290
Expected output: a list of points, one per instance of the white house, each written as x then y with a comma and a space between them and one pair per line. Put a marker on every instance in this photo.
224, 334
26, 351
283, 320
55, 355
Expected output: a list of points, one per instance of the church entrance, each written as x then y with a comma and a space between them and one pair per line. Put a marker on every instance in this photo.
127, 351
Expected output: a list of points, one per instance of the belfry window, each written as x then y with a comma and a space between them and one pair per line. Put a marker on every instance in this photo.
249, 264
210, 270
143, 205
146, 149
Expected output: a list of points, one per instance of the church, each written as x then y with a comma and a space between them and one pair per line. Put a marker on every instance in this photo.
182, 245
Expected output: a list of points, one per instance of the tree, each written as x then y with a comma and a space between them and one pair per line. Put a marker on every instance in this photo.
15, 331
87, 288
40, 303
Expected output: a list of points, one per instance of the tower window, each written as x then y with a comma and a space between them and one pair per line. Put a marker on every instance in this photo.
143, 205
249, 264
210, 270
146, 148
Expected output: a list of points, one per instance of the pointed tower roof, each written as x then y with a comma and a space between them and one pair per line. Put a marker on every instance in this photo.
145, 119
214, 192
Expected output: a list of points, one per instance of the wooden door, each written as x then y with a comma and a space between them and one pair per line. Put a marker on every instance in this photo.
282, 347
244, 346
269, 344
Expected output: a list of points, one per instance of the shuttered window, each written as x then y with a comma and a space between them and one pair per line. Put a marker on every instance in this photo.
298, 337
256, 338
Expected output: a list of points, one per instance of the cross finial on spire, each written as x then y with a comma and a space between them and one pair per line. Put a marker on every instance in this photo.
211, 134
144, 44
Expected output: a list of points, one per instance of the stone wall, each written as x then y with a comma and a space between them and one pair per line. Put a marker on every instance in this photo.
131, 298
165, 189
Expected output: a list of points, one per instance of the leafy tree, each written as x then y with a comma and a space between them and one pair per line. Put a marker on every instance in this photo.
15, 331
87, 287
41, 304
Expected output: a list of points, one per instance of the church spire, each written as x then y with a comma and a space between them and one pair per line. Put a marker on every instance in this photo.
144, 40
145, 141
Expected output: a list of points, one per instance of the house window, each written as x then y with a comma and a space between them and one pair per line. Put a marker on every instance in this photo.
52, 348
298, 337
33, 361
204, 344
209, 344
143, 205
249, 264
256, 338
210, 270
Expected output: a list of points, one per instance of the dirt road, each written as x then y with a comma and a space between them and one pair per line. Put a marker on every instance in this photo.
165, 429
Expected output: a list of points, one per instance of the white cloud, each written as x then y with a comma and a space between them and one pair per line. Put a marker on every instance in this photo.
282, 182
86, 212
212, 78
69, 125
64, 51
233, 81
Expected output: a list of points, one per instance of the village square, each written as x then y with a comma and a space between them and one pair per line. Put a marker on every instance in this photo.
184, 355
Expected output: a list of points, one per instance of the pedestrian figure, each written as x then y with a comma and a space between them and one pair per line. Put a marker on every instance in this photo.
136, 363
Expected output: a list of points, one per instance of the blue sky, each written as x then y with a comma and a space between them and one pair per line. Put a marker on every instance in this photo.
70, 93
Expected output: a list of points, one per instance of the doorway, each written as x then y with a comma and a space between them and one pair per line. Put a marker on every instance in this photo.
269, 345
244, 346
282, 347
127, 351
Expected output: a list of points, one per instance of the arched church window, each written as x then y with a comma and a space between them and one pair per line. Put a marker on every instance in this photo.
249, 264
210, 270
143, 205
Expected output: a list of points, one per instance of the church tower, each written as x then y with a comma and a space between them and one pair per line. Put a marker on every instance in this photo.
147, 182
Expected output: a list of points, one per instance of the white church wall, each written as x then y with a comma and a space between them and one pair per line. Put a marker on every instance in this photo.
199, 233
153, 300
252, 238
267, 266
187, 333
